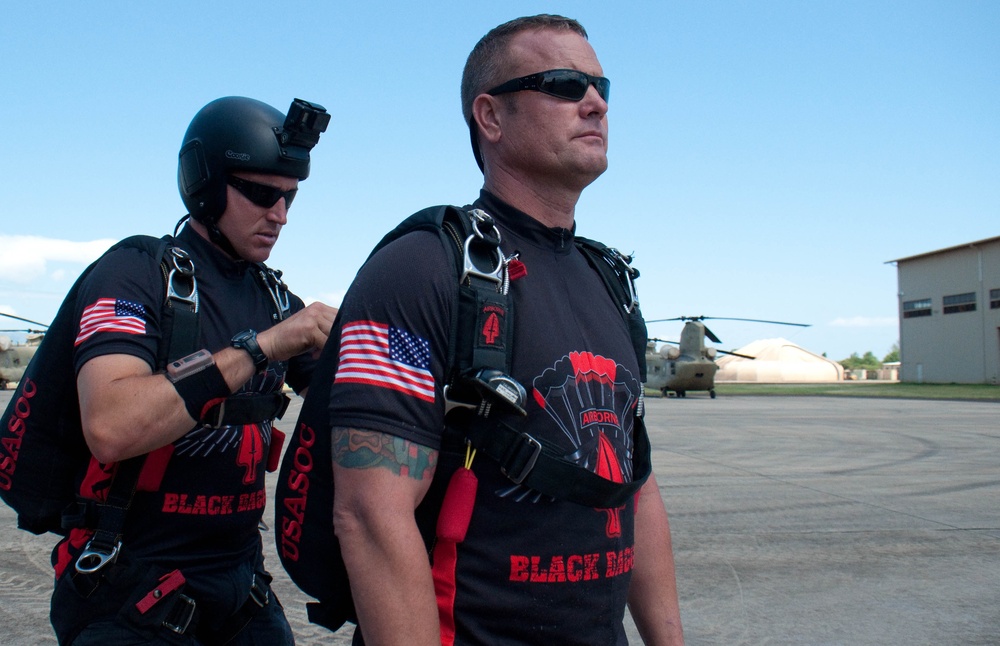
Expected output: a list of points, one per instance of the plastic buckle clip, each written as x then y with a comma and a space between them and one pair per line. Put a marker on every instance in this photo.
92, 560
185, 614
521, 458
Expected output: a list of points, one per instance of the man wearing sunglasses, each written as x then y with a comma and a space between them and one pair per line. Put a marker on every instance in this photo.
532, 568
187, 567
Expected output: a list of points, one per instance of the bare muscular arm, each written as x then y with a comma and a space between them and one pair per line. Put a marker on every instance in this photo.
653, 591
127, 410
380, 479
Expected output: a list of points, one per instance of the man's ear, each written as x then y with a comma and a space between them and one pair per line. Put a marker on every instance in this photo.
485, 110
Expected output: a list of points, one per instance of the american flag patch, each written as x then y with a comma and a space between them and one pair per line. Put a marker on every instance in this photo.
381, 355
111, 315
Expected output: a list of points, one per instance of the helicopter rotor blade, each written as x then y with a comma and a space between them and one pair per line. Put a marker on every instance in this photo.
725, 318
729, 318
18, 318
662, 341
735, 354
711, 335
679, 318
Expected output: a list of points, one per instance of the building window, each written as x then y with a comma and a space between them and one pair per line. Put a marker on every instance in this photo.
995, 299
912, 309
960, 303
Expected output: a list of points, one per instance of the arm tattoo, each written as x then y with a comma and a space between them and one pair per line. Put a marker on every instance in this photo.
358, 449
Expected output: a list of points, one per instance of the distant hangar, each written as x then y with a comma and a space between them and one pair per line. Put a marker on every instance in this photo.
949, 314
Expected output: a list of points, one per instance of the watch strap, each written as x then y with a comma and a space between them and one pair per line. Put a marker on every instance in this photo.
247, 340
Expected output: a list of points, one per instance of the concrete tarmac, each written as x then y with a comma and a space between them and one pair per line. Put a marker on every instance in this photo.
796, 521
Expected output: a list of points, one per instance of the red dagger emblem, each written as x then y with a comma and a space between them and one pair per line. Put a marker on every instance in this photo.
609, 468
251, 452
491, 329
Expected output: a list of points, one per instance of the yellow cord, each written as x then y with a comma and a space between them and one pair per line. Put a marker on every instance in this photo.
470, 455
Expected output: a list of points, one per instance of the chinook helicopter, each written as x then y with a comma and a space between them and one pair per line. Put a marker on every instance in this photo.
689, 364
14, 357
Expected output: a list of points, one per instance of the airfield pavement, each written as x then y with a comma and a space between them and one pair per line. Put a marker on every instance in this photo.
796, 521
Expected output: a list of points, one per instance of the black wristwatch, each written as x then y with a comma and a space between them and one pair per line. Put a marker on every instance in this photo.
247, 340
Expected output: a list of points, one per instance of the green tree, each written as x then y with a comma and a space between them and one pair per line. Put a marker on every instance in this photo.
893, 355
868, 362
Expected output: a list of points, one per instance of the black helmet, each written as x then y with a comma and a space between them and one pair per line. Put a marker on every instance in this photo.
236, 133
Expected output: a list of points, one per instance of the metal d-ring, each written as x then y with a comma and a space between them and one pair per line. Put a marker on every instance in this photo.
182, 273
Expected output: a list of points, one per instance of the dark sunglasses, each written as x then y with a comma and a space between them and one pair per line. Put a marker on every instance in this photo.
261, 194
564, 84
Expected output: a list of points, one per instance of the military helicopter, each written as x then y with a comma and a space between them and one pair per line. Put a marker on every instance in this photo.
14, 357
689, 364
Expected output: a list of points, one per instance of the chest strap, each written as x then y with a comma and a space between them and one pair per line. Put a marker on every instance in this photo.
239, 410
529, 463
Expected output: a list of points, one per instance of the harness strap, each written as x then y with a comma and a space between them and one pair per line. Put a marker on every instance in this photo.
103, 547
246, 409
179, 313
485, 321
619, 276
260, 597
528, 462
276, 289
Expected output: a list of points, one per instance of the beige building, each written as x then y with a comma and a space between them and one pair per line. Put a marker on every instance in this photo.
778, 361
949, 314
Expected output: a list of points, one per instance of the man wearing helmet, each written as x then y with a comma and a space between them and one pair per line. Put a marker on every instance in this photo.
187, 567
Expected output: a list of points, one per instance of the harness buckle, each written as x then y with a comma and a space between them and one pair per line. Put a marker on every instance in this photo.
259, 594
182, 272
93, 560
451, 403
502, 388
521, 458
482, 249
181, 614
278, 291
214, 417
628, 280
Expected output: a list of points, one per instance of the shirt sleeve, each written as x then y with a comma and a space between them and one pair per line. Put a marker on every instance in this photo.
118, 308
392, 337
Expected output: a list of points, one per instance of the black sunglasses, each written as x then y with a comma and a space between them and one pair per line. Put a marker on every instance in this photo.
261, 194
564, 84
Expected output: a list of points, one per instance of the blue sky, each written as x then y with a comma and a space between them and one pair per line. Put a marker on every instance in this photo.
766, 158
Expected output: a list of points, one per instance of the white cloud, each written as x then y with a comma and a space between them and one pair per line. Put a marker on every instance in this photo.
25, 258
865, 321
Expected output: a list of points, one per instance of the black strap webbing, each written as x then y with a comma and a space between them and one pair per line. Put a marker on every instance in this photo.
111, 513
247, 409
529, 463
618, 277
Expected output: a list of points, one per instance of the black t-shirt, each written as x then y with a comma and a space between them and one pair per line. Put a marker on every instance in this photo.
531, 570
204, 517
